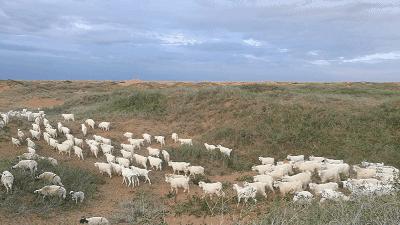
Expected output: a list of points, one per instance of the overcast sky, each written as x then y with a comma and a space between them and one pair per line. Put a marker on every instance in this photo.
195, 40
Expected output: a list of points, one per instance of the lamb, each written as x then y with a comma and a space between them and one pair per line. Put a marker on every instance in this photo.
333, 161
317, 188
329, 175
50, 177
35, 134
266, 179
129, 176
52, 190
94, 221
147, 137
328, 194
94, 149
78, 152
363, 173
195, 170
64, 148
126, 154
122, 161
211, 188
104, 126
224, 150
77, 195
165, 155
90, 123
7, 179
30, 143
20, 134
160, 139
179, 166
304, 178
245, 193
288, 187
84, 129
116, 168
141, 160
110, 158
259, 186
262, 169
155, 162
185, 141
68, 117
174, 137
210, 147
27, 164
153, 151
78, 142
142, 172
178, 182
295, 158
15, 142
266, 160
316, 158
303, 197
128, 135
128, 147
103, 168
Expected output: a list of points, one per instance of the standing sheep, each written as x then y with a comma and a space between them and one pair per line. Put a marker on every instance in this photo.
7, 179
84, 129
245, 192
174, 137
77, 195
105, 126
27, 164
90, 123
52, 190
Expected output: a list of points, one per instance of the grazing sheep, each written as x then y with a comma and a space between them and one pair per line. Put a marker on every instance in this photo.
90, 123
210, 147
174, 137
122, 161
7, 179
50, 177
53, 143
104, 168
20, 134
52, 190
329, 175
59, 126
128, 135
110, 158
128, 147
98, 138
259, 186
78, 142
266, 179
94, 149
30, 143
126, 154
140, 160
65, 130
31, 150
129, 176
77, 195
165, 155
51, 160
195, 170
316, 158
262, 169
15, 142
309, 166
185, 141
266, 160
288, 187
46, 137
160, 139
343, 168
78, 152
27, 164
94, 221
105, 126
28, 155
84, 129
106, 141
304, 178
64, 148
179, 166
155, 162
35, 134
328, 194
211, 188
245, 193
153, 151
142, 172
68, 117
69, 137
363, 173
224, 150
147, 137
303, 197
178, 182
136, 142
295, 158
317, 188
106, 148
35, 127
116, 168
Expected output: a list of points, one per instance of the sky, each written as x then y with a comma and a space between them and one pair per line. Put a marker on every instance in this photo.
200, 40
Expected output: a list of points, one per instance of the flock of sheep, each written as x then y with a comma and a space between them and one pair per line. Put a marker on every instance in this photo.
291, 176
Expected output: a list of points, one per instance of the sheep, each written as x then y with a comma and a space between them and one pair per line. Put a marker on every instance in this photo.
155, 162
7, 179
105, 126
50, 177
68, 117
343, 168
28, 156
147, 137
30, 143
153, 151
262, 169
78, 142
333, 161
174, 137
35, 127
211, 188
185, 141
287, 168
90, 123
195, 170
84, 129
178, 182
303, 197
160, 139
328, 194
136, 143
331, 174
316, 158
122, 161
94, 149
304, 178
15, 142
59, 126
165, 155
245, 193
266, 160
53, 143
266, 179
116, 168
98, 138
128, 135
309, 166
210, 147
179, 166
77, 195
27, 164
103, 168
141, 160
288, 187
367, 164
295, 158
106, 148
277, 174
363, 173
106, 141
35, 134
78, 152
65, 130
20, 134
64, 148
69, 137
109, 158
129, 176
94, 221
224, 150
126, 154
52, 132
31, 150
51, 160
52, 190
128, 147
317, 188
142, 172
46, 137
259, 186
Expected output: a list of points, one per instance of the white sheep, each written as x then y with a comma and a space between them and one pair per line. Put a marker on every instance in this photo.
84, 129
304, 178
128, 134
129, 176
31, 150
51, 178
77, 195
153, 151
224, 150
52, 132
51, 160
343, 168
178, 182
69, 137
122, 161
328, 194
140, 160
59, 125
20, 134
104, 168
160, 139
303, 197
78, 152
266, 160
179, 166
245, 193
295, 158
35, 127
52, 190
64, 148
7, 179
288, 187
317, 188
35, 134
316, 158
94, 149
147, 137
94, 221
65, 130
106, 148
98, 138
262, 169
136, 143
90, 123
363, 173
126, 154
78, 142
165, 155
266, 179
68, 117
28, 156
329, 175
309, 166
110, 158
104, 126
174, 137
116, 168
27, 164
106, 141
155, 162
210, 147
333, 161
185, 141
259, 186
128, 147
142, 172
46, 137
53, 143
15, 142
211, 188
30, 143
195, 170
